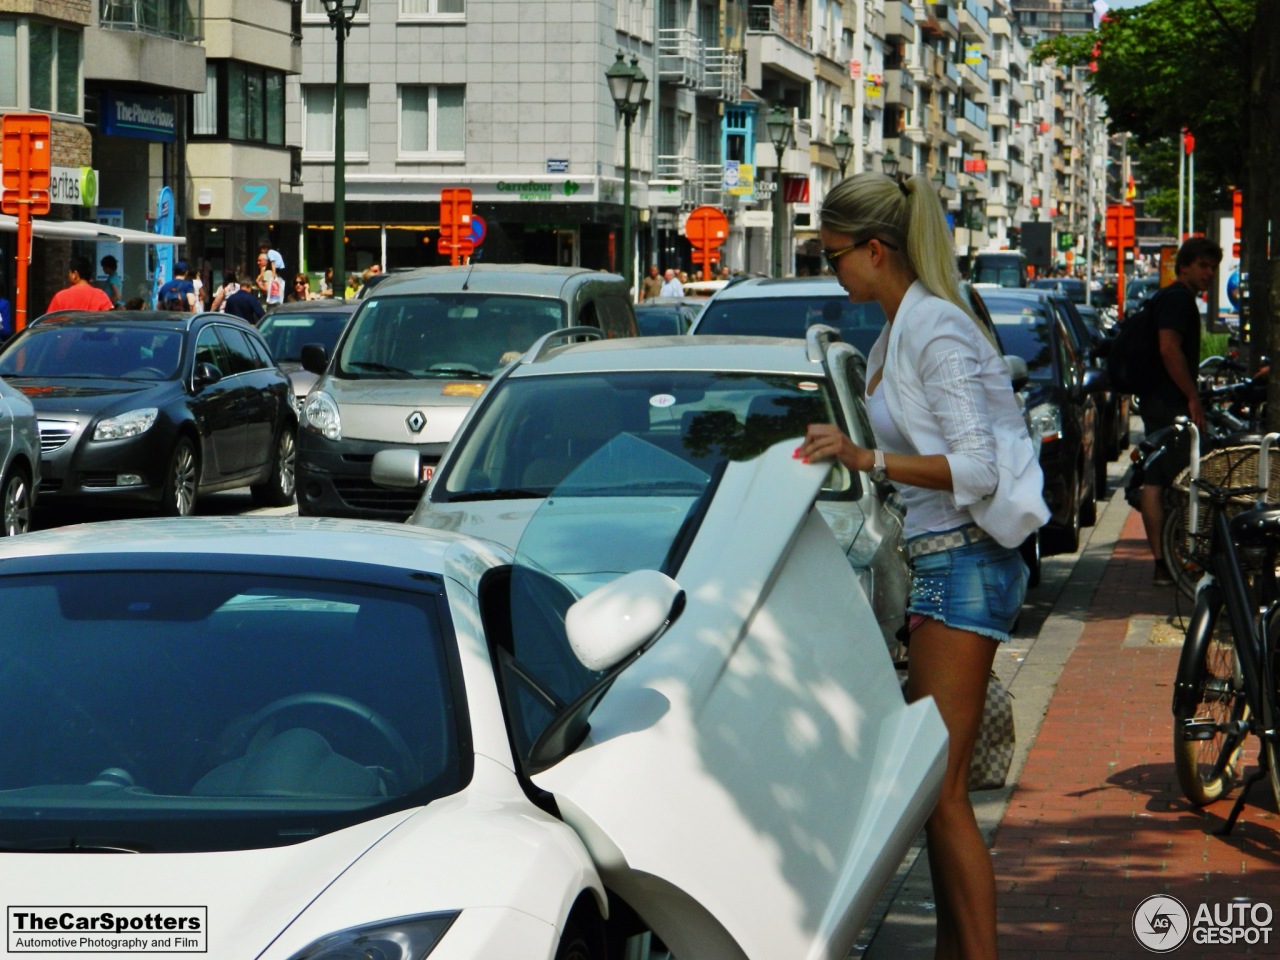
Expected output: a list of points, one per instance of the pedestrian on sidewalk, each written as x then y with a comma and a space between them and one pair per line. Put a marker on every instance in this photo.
80, 294
1176, 318
941, 404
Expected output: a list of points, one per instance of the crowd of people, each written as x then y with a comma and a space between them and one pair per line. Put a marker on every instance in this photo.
246, 293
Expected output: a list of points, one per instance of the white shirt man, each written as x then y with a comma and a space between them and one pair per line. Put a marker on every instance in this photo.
671, 285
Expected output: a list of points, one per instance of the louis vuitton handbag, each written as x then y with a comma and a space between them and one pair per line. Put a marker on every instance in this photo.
993, 751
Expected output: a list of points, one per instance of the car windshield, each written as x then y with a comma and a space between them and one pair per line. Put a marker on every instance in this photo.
661, 321
537, 429
446, 335
110, 351
790, 316
287, 333
157, 709
1003, 272
1025, 332
1074, 289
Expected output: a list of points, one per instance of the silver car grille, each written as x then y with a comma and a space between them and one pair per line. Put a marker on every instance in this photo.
55, 433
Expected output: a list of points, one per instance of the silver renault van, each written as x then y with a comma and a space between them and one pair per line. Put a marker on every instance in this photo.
414, 358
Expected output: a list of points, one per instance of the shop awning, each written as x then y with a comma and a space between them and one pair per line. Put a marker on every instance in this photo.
83, 230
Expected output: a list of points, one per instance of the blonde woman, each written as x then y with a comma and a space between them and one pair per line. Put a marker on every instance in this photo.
940, 402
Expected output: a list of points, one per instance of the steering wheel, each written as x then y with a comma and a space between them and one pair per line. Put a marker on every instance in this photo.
456, 367
406, 770
145, 373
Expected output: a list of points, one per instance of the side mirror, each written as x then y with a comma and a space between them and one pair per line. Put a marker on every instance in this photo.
397, 468
1096, 380
315, 359
206, 374
1018, 372
617, 620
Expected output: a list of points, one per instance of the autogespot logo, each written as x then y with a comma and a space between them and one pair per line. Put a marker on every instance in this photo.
1161, 923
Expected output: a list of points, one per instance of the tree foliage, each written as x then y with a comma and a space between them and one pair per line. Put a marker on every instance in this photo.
1171, 64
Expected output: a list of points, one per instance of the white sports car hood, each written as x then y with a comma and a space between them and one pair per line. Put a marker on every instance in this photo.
485, 854
243, 898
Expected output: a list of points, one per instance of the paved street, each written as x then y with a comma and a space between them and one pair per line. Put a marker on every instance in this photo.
1093, 822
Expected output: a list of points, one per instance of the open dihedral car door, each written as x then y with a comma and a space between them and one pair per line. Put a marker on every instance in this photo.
751, 782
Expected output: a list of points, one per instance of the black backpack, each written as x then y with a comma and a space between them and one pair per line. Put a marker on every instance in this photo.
1133, 358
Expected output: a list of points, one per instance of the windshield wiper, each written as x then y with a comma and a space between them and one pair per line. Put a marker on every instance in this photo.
444, 370
377, 367
506, 493
68, 845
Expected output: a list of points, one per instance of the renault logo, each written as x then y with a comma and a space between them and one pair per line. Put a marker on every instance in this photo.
416, 421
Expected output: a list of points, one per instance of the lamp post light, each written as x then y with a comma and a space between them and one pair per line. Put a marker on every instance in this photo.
843, 146
779, 124
889, 163
971, 215
341, 13
627, 84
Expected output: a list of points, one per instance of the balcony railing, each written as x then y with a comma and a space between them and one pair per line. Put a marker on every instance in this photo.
174, 19
685, 60
702, 184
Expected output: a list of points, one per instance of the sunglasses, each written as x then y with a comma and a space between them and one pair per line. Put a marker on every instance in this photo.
831, 256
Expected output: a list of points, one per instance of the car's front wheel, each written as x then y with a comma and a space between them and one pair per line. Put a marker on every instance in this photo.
279, 488
17, 502
182, 482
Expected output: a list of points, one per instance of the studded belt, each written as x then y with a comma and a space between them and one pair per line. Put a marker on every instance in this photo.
937, 542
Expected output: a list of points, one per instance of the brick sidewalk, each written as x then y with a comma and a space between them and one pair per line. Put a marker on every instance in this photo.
1097, 823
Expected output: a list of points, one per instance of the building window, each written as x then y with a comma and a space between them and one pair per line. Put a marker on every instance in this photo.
318, 120
54, 68
8, 63
433, 8
241, 102
432, 120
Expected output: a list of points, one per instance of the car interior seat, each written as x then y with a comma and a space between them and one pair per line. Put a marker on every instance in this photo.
570, 427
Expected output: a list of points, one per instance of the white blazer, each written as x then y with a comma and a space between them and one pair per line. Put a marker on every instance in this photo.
948, 392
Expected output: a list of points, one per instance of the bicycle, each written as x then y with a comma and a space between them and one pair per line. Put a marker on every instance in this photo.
1226, 685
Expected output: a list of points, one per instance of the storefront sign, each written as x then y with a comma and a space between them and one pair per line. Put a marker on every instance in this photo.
73, 186
255, 199
139, 115
665, 193
538, 190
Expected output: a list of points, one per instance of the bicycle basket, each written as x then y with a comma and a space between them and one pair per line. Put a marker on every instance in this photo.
1225, 467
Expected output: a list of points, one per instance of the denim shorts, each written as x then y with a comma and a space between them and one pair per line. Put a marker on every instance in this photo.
977, 587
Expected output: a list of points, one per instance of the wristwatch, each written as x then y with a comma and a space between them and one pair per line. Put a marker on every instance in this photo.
878, 472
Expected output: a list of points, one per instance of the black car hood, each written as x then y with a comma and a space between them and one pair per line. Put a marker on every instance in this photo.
71, 394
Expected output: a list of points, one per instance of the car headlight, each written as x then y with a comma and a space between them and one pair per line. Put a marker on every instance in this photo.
406, 938
1046, 420
126, 424
320, 414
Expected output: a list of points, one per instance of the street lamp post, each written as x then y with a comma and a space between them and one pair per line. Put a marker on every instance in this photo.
889, 163
843, 146
627, 84
341, 13
972, 216
779, 125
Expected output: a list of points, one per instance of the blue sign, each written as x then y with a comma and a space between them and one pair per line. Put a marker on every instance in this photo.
256, 199
163, 251
477, 230
557, 166
138, 115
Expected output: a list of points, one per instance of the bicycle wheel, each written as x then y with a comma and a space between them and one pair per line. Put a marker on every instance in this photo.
1177, 556
1271, 694
1209, 696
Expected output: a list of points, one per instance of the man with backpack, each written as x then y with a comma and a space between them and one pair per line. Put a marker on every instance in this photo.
1174, 317
179, 293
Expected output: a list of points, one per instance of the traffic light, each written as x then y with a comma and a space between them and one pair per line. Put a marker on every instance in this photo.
1015, 238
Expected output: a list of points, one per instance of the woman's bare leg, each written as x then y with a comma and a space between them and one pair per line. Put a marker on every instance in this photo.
952, 666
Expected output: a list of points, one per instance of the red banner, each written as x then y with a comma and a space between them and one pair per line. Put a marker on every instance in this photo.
795, 188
